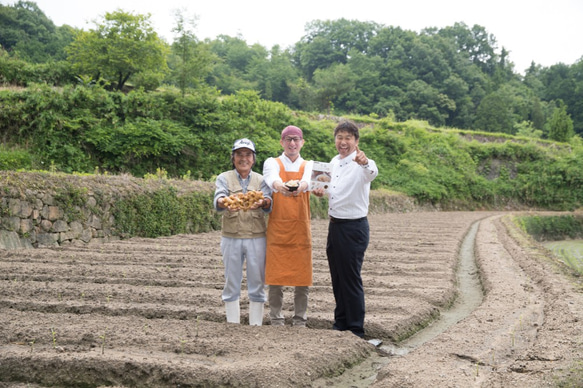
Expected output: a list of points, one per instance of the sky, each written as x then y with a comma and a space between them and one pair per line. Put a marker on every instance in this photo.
543, 31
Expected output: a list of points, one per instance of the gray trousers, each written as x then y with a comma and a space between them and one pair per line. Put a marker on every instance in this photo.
237, 251
275, 299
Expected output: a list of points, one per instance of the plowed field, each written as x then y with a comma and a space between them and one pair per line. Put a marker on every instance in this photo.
148, 313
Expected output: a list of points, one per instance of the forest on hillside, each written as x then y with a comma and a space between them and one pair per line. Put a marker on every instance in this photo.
442, 112
455, 76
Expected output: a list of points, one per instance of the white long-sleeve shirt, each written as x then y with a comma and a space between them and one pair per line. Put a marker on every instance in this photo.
271, 169
348, 193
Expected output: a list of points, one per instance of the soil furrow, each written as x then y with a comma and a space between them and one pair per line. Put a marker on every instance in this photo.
147, 312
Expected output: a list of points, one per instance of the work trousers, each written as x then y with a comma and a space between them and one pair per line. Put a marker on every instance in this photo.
275, 299
345, 248
237, 251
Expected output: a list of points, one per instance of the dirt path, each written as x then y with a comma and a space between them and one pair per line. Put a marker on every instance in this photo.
526, 333
147, 312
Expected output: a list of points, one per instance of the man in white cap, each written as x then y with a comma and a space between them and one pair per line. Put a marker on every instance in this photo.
243, 233
289, 238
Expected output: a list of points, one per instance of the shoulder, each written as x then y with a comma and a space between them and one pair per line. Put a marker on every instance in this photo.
227, 173
272, 162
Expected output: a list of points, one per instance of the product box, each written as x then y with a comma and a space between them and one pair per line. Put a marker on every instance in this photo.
321, 175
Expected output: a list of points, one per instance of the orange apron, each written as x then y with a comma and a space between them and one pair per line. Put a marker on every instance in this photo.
288, 260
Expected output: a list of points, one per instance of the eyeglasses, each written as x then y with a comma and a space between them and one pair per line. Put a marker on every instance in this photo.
290, 139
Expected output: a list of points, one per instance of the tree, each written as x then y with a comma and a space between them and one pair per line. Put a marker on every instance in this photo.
328, 43
493, 115
332, 83
190, 61
565, 83
27, 33
560, 124
476, 43
526, 129
537, 115
122, 45
235, 57
426, 103
274, 76
366, 75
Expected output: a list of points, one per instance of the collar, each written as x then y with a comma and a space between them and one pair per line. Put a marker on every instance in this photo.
347, 159
284, 156
240, 177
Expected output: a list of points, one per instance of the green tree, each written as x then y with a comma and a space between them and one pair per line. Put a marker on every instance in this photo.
563, 82
526, 129
426, 103
235, 57
27, 33
366, 87
327, 43
560, 124
475, 43
537, 115
190, 60
122, 45
458, 91
332, 83
494, 115
274, 75
303, 92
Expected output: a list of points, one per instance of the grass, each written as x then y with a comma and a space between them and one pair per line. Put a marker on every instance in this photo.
54, 337
569, 251
103, 337
573, 378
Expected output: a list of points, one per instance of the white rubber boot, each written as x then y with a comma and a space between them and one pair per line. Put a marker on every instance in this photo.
255, 313
233, 311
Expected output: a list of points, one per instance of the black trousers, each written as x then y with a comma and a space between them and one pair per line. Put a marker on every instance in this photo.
345, 248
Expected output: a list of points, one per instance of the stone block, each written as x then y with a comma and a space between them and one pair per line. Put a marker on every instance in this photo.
60, 226
10, 240
46, 225
26, 226
47, 240
86, 236
25, 209
55, 213
76, 228
94, 221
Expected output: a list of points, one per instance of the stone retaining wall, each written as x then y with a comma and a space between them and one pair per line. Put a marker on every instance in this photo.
49, 210
37, 221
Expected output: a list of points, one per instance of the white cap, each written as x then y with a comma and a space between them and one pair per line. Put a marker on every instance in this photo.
244, 143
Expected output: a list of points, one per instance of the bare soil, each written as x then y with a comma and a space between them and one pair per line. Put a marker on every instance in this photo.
148, 313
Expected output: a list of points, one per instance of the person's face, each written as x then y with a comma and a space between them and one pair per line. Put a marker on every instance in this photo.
292, 145
345, 143
243, 159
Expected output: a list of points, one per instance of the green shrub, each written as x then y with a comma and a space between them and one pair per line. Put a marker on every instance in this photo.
71, 199
15, 159
86, 128
18, 72
550, 228
318, 207
164, 213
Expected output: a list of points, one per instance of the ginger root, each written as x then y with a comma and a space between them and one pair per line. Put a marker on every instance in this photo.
242, 201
